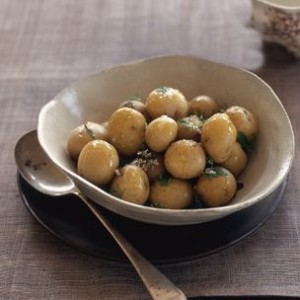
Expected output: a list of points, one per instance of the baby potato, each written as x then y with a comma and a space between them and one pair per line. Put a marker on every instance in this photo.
166, 101
160, 133
189, 128
216, 187
171, 193
244, 121
203, 106
131, 184
126, 130
237, 160
83, 134
185, 159
151, 162
218, 135
98, 161
137, 105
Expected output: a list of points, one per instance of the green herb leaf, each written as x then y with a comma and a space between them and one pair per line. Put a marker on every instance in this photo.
165, 181
116, 192
214, 172
163, 89
209, 162
90, 132
246, 145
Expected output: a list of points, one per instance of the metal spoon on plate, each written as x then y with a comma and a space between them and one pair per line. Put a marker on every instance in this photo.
37, 169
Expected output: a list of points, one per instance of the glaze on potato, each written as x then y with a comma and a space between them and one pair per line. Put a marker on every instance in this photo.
237, 160
185, 159
131, 184
244, 121
166, 101
218, 136
126, 130
98, 161
216, 187
83, 134
203, 105
160, 133
171, 193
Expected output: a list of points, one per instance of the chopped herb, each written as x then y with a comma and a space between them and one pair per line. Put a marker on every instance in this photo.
209, 162
165, 181
246, 145
163, 89
146, 160
184, 121
116, 192
201, 118
90, 132
158, 205
214, 172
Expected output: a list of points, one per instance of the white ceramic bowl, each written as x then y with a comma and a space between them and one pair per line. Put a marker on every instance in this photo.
279, 22
96, 96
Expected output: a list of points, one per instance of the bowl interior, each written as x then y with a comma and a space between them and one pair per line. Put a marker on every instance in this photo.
95, 97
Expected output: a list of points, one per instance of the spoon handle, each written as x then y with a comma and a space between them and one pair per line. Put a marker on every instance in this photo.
159, 287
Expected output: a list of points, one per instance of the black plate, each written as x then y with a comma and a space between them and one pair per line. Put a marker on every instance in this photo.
71, 221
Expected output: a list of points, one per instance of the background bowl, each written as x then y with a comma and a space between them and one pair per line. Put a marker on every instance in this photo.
95, 97
279, 22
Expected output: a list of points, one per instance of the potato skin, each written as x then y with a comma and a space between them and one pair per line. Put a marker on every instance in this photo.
244, 121
98, 161
189, 128
203, 105
160, 133
131, 184
126, 130
137, 105
83, 134
166, 101
237, 160
185, 159
218, 136
216, 191
173, 194
151, 162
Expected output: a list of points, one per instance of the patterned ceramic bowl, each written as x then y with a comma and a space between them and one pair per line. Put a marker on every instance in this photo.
279, 22
95, 97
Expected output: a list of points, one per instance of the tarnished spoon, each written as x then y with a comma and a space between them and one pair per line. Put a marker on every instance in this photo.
37, 169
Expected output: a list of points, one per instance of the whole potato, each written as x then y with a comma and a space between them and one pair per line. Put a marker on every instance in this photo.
126, 130
98, 161
160, 133
189, 128
166, 101
244, 121
203, 105
151, 162
171, 193
237, 160
83, 134
185, 159
131, 184
216, 187
218, 136
137, 105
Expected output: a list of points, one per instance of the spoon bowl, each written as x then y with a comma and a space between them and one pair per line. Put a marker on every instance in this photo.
37, 169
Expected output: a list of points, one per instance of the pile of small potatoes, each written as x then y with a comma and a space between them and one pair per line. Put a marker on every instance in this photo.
167, 152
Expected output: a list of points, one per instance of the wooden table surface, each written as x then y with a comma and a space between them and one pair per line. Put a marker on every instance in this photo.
46, 45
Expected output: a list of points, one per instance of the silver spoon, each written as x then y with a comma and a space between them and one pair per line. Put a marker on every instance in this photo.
37, 169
